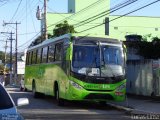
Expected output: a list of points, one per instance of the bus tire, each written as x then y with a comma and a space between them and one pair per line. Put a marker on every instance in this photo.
60, 102
35, 94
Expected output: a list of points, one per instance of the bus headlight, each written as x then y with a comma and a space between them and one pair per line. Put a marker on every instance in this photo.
75, 85
121, 87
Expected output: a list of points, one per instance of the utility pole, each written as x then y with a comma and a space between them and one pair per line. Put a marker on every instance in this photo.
5, 58
11, 39
45, 20
4, 69
16, 51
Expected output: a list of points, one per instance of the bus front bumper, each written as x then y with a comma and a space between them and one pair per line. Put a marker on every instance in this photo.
76, 92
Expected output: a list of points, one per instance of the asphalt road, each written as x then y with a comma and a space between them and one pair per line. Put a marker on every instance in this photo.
45, 108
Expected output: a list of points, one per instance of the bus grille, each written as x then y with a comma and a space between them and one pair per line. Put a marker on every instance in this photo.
99, 96
98, 80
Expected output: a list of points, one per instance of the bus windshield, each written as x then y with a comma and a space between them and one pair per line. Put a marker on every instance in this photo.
95, 60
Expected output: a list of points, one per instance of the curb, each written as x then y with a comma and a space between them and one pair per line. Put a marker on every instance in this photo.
130, 111
127, 109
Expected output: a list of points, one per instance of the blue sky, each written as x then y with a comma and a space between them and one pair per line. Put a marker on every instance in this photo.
30, 26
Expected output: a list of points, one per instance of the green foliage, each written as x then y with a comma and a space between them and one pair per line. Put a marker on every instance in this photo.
63, 28
60, 29
147, 37
149, 50
155, 39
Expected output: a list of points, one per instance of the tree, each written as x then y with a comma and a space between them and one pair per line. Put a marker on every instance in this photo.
63, 28
147, 37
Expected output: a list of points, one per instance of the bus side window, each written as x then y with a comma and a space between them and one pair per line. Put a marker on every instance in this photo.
32, 62
39, 56
34, 57
44, 55
27, 58
58, 52
30, 58
51, 53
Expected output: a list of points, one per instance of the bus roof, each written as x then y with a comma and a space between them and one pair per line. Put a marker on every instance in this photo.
77, 38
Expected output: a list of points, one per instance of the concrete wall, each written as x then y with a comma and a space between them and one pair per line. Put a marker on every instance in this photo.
117, 29
142, 79
139, 77
134, 25
99, 7
156, 76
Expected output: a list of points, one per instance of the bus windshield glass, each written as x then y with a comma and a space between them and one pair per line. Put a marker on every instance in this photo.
98, 60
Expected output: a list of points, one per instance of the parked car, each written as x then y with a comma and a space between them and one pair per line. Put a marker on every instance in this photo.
8, 109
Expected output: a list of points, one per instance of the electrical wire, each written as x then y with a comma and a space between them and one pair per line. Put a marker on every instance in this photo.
107, 12
122, 15
16, 11
79, 12
119, 5
32, 17
92, 5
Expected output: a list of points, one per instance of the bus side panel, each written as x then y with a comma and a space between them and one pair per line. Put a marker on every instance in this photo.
32, 73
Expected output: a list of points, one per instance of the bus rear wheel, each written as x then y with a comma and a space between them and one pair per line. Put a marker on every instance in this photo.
60, 101
35, 94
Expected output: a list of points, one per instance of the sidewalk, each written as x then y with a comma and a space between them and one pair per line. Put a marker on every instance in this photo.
139, 105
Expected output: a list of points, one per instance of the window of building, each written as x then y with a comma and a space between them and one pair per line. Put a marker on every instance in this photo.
156, 29
44, 54
51, 53
58, 52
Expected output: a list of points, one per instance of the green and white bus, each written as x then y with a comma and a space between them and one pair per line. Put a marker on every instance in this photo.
79, 68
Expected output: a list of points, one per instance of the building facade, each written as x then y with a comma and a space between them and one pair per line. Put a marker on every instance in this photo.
92, 17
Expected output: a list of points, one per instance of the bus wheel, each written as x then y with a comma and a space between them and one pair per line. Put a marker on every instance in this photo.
60, 101
35, 94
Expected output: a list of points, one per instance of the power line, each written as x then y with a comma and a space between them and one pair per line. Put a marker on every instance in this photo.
16, 10
3, 4
84, 9
107, 12
28, 12
92, 5
87, 8
32, 16
121, 15
29, 40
